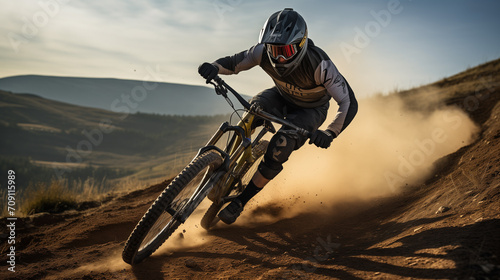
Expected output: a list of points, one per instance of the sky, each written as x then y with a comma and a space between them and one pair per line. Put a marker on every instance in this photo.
379, 46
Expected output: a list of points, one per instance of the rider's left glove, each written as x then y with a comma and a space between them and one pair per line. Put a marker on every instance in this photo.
322, 138
208, 71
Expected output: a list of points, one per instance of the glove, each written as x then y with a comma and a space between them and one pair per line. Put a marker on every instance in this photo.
322, 138
208, 71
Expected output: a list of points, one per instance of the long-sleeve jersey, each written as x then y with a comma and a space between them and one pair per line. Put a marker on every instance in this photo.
311, 84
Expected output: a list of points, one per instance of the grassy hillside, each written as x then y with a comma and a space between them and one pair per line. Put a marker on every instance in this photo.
61, 135
471, 90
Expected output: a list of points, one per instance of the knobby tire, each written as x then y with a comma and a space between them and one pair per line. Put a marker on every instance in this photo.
173, 196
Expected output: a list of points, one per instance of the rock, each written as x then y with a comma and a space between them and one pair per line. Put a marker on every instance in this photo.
192, 264
487, 268
443, 209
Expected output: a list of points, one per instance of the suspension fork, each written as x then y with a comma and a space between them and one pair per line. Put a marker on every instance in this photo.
229, 162
204, 188
198, 196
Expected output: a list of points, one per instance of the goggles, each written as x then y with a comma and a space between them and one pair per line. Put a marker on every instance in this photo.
285, 51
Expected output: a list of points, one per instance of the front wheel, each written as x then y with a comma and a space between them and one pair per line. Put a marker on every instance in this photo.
159, 222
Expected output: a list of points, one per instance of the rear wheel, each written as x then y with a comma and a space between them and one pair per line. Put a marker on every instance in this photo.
158, 223
210, 218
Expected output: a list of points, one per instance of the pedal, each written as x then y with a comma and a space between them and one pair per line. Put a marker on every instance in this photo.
226, 199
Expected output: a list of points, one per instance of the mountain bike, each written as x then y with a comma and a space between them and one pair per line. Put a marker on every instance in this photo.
219, 174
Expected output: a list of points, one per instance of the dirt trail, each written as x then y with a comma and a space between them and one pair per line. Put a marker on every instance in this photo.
445, 228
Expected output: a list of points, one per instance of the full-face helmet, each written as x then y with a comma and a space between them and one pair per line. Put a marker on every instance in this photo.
285, 37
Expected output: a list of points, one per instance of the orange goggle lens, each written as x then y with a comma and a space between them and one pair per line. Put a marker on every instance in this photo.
286, 51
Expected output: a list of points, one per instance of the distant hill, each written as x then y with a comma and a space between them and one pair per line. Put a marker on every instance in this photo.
121, 95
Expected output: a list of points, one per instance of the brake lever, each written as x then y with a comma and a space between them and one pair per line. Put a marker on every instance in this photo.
219, 89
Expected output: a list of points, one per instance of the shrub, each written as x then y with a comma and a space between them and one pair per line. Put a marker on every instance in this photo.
54, 197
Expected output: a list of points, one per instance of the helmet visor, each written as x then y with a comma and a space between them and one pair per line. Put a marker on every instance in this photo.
284, 51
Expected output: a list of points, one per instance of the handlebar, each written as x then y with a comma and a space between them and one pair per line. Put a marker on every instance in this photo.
221, 88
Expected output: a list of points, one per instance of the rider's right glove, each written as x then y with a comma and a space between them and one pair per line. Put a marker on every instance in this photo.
322, 138
208, 71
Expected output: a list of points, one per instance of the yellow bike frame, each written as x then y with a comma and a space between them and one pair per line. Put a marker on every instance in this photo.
237, 153
239, 150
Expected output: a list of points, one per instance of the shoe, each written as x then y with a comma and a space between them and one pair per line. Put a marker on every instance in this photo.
229, 214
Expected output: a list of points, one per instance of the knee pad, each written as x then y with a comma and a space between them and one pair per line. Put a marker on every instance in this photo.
279, 149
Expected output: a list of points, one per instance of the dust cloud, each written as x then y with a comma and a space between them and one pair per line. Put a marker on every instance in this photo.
389, 145
189, 235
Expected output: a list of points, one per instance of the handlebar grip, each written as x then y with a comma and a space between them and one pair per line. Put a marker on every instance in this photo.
305, 133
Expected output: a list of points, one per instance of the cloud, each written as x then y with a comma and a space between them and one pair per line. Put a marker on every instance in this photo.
113, 38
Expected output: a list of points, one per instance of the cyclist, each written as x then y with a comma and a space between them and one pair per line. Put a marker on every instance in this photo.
305, 80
